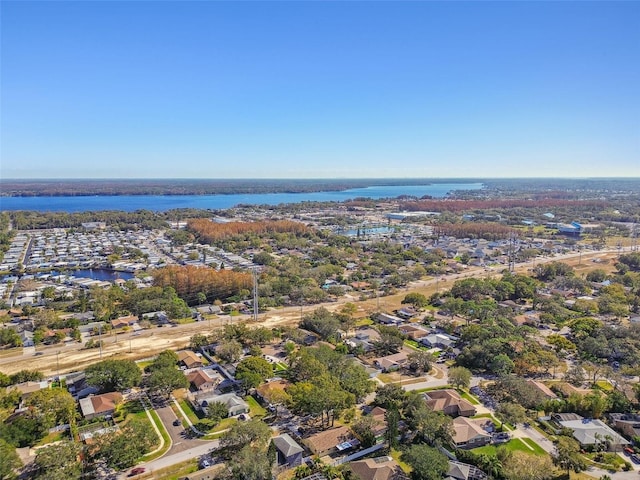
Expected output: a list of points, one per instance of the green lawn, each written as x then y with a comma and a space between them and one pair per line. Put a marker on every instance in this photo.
220, 428
604, 385
189, 411
607, 460
129, 409
516, 444
143, 365
255, 410
396, 454
179, 471
468, 397
363, 322
53, 437
165, 437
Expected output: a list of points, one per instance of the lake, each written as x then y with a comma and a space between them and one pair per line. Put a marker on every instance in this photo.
161, 203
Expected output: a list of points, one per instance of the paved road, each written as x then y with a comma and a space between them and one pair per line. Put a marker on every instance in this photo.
168, 460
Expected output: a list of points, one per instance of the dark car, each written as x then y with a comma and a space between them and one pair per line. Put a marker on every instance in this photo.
177, 422
635, 458
136, 471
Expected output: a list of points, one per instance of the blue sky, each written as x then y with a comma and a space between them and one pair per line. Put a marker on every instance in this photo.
319, 89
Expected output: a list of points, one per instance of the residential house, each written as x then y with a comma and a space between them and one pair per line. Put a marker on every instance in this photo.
567, 389
235, 405
440, 340
449, 402
468, 433
591, 432
160, 317
407, 312
463, 471
511, 305
414, 332
391, 362
289, 453
379, 468
204, 379
542, 388
378, 414
361, 339
329, 441
189, 359
100, 405
209, 309
27, 338
266, 390
386, 319
28, 388
124, 321
76, 383
627, 423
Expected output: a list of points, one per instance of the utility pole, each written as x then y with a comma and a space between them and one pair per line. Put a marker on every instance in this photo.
512, 252
255, 294
58, 364
100, 339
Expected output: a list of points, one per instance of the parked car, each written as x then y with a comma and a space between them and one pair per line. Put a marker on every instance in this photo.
177, 422
137, 471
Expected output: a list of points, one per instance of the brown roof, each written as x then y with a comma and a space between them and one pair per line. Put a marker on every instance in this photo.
26, 388
189, 358
464, 429
124, 321
266, 389
569, 389
546, 391
440, 400
390, 360
200, 377
413, 331
106, 402
381, 468
326, 440
379, 415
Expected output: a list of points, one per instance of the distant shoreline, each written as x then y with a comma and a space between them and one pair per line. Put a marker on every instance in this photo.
120, 187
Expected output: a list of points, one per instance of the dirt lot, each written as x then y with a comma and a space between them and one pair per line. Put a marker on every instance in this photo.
52, 360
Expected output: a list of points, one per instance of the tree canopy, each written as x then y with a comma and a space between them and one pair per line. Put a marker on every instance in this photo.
113, 375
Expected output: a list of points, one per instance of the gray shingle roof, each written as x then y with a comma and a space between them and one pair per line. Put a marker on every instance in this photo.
287, 445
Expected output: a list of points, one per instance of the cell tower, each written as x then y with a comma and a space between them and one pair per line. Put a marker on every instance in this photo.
255, 293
